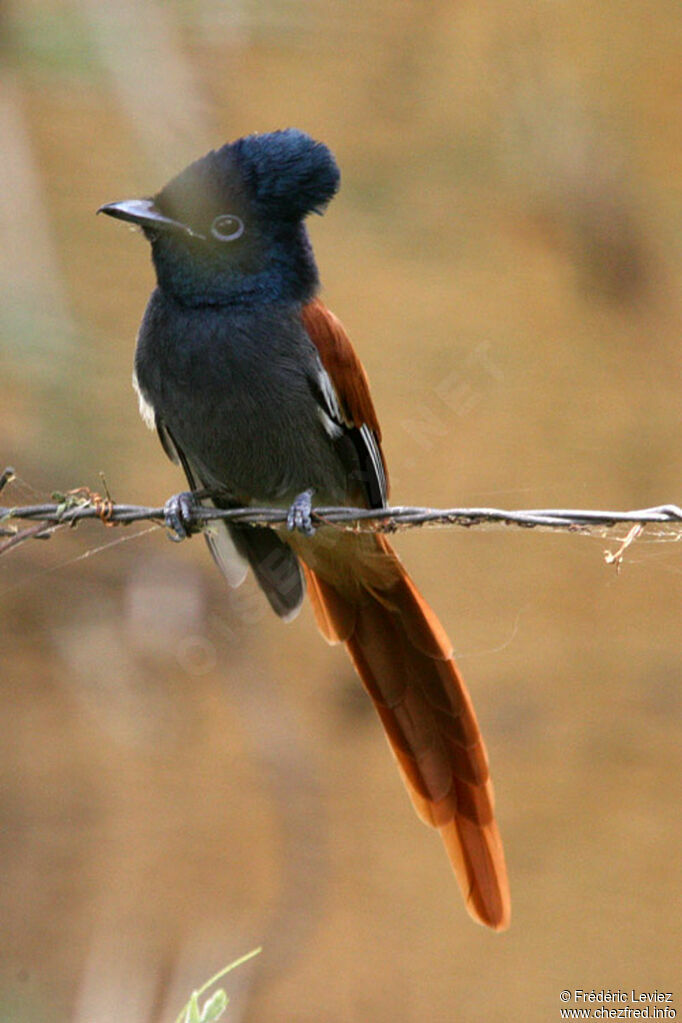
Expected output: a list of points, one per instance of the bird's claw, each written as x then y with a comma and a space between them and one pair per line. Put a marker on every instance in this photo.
299, 516
179, 516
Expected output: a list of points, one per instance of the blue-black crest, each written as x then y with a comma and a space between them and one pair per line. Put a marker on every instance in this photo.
287, 173
281, 175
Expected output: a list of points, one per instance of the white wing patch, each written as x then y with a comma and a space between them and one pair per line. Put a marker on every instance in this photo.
332, 428
329, 394
146, 408
334, 421
377, 463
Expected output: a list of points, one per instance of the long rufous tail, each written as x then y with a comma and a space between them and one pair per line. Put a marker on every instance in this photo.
404, 659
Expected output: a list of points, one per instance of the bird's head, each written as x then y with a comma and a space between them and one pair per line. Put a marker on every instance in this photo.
229, 228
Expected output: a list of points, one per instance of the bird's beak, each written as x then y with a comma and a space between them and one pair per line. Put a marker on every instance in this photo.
146, 214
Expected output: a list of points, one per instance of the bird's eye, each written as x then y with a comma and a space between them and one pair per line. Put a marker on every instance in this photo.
227, 227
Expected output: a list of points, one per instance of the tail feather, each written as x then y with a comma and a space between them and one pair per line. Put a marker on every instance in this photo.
335, 617
404, 658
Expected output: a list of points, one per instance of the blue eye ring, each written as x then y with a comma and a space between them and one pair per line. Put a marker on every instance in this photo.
227, 227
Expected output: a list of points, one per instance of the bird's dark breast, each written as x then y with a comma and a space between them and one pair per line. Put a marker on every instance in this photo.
233, 388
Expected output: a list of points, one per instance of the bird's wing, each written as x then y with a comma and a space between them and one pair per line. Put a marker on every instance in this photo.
345, 396
229, 559
234, 547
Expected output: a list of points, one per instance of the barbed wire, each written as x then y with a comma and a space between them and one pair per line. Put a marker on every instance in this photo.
82, 503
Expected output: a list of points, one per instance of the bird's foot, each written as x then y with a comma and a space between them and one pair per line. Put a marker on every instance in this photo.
299, 516
179, 516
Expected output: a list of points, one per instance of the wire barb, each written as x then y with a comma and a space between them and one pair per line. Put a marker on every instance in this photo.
6, 476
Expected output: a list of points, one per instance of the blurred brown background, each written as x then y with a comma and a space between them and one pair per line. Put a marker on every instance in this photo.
181, 776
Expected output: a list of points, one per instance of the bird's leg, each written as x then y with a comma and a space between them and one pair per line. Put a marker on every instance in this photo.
179, 515
299, 516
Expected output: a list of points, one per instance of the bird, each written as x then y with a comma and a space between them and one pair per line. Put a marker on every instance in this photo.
256, 392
